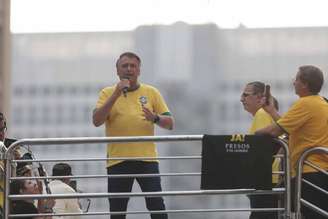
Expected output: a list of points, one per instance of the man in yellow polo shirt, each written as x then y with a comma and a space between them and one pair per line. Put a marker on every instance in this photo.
306, 122
130, 108
251, 98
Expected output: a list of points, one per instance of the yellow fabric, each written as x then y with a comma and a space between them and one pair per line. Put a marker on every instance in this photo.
275, 168
306, 122
262, 119
126, 119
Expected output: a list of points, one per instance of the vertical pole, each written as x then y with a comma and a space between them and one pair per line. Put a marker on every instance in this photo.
5, 60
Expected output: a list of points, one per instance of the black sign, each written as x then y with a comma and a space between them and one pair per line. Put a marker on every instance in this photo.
237, 162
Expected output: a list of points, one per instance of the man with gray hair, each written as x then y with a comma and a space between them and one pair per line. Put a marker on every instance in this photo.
131, 108
306, 123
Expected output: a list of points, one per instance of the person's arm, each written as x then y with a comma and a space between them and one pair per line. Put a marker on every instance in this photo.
102, 113
270, 108
166, 122
44, 205
273, 130
163, 121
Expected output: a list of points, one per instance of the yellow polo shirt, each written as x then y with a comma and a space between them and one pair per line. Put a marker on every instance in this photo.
126, 119
306, 122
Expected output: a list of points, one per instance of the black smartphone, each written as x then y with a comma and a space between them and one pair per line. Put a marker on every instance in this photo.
267, 94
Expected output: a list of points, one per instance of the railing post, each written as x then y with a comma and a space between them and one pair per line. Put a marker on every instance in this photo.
287, 197
3, 150
298, 178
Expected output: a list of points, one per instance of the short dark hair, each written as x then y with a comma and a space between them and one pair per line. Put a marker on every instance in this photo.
61, 169
258, 87
312, 76
130, 55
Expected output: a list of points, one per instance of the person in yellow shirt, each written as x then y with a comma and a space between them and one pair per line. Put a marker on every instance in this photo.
306, 123
131, 108
251, 98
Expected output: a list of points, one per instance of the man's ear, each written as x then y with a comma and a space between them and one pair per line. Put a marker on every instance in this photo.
305, 85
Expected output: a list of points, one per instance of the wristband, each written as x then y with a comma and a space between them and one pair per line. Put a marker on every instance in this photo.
156, 119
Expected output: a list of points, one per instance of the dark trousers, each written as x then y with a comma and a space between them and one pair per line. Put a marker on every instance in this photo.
312, 195
263, 201
147, 184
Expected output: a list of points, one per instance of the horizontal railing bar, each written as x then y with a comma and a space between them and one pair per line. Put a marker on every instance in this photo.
115, 176
149, 194
106, 176
154, 212
112, 158
316, 167
314, 207
86, 140
315, 186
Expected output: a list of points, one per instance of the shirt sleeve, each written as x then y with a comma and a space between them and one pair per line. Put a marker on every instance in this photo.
260, 120
295, 117
103, 96
160, 106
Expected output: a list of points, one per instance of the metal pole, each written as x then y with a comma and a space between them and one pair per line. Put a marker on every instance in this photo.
287, 199
298, 178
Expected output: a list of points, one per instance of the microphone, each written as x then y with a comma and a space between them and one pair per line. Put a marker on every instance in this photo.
125, 89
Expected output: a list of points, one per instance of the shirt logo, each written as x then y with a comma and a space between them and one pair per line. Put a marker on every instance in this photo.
143, 100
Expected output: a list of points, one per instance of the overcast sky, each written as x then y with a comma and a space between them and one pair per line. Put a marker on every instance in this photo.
116, 15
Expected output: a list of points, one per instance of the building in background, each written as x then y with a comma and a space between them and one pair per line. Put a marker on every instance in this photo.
200, 70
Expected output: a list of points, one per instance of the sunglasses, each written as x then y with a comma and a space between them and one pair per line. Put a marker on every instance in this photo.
247, 94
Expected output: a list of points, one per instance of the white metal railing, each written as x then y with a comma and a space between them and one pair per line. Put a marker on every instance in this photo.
286, 209
300, 164
3, 150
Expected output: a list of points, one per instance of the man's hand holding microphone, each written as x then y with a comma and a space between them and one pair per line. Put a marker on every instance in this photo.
123, 85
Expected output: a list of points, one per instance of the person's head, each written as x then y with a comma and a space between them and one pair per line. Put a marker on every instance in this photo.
62, 169
23, 187
308, 81
252, 95
3, 127
25, 170
128, 66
